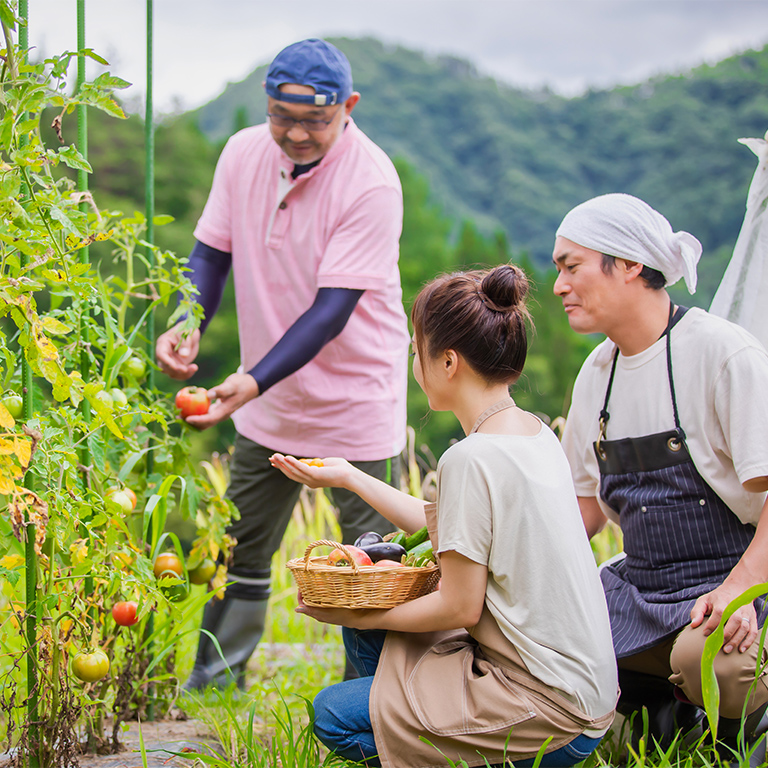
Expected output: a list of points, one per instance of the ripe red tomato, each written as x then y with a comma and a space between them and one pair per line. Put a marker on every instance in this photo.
388, 564
168, 564
203, 573
90, 667
192, 401
337, 557
125, 613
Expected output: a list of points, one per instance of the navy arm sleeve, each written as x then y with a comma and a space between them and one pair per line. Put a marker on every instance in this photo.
323, 321
210, 269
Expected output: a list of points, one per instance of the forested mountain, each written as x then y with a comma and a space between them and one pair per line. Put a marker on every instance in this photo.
488, 171
518, 160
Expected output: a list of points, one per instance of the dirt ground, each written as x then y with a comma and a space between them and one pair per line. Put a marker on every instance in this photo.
161, 740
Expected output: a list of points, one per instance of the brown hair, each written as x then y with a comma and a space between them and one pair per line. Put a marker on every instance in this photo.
479, 314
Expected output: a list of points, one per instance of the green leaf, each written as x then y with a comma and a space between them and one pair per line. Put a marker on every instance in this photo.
712, 645
7, 16
162, 220
98, 455
95, 56
106, 80
67, 224
74, 159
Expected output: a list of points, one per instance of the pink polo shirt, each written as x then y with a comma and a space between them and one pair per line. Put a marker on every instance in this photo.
336, 226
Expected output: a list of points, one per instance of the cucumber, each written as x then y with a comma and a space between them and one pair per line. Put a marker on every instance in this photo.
420, 555
417, 538
398, 538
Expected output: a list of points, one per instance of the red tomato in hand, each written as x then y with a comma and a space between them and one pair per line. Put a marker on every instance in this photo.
192, 401
125, 613
90, 667
337, 557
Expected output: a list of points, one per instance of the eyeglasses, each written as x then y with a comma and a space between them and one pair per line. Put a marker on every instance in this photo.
312, 126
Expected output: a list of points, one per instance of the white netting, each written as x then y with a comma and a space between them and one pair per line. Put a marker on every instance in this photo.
742, 296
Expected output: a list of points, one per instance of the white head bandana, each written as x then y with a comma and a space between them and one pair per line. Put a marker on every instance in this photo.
625, 227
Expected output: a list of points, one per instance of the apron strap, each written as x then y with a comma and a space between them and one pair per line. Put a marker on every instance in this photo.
674, 317
502, 405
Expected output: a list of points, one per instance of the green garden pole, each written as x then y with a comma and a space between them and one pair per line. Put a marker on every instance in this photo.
149, 201
82, 186
29, 546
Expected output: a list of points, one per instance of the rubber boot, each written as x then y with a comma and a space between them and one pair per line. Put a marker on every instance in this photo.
728, 729
238, 626
668, 716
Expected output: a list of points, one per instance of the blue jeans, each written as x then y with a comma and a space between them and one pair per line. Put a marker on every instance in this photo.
343, 721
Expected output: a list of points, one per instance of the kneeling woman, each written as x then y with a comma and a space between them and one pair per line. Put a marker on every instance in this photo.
514, 650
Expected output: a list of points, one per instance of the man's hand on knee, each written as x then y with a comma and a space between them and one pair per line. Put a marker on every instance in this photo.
741, 629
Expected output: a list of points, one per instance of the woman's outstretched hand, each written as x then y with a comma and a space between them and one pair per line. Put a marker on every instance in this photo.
332, 474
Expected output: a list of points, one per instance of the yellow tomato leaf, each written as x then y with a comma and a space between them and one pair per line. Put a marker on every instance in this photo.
11, 561
6, 420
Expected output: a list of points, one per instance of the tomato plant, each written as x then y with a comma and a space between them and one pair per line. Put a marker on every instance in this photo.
90, 666
125, 613
192, 401
79, 332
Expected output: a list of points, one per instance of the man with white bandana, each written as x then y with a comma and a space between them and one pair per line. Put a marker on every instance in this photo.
666, 435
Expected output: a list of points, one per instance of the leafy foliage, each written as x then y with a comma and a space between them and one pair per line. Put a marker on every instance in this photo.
96, 425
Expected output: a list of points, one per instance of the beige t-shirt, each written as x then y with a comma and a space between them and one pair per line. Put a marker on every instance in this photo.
721, 383
508, 502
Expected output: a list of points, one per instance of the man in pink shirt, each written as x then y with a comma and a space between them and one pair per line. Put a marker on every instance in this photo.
307, 212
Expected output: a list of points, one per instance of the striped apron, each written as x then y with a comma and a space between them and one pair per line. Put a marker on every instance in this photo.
680, 539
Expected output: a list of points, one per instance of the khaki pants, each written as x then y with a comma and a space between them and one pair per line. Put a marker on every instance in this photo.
679, 660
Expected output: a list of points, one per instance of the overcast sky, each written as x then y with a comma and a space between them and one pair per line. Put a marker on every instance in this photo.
568, 45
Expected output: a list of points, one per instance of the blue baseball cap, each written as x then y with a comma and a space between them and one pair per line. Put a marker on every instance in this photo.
315, 63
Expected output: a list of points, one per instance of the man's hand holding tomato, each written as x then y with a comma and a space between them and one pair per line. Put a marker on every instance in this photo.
175, 355
235, 391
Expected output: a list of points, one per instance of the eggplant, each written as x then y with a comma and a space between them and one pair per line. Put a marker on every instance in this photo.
384, 550
368, 538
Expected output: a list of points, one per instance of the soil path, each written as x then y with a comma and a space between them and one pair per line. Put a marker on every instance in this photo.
161, 740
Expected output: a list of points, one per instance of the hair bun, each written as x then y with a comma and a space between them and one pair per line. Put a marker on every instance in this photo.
505, 288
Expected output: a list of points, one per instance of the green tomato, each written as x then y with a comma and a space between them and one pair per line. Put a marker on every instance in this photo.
173, 588
203, 573
134, 367
14, 404
104, 398
119, 398
90, 667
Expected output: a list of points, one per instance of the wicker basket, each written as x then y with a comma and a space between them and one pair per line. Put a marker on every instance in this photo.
358, 586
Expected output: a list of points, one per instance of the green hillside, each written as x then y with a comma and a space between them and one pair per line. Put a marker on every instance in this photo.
518, 160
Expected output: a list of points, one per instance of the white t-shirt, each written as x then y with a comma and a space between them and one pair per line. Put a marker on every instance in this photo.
721, 382
507, 502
